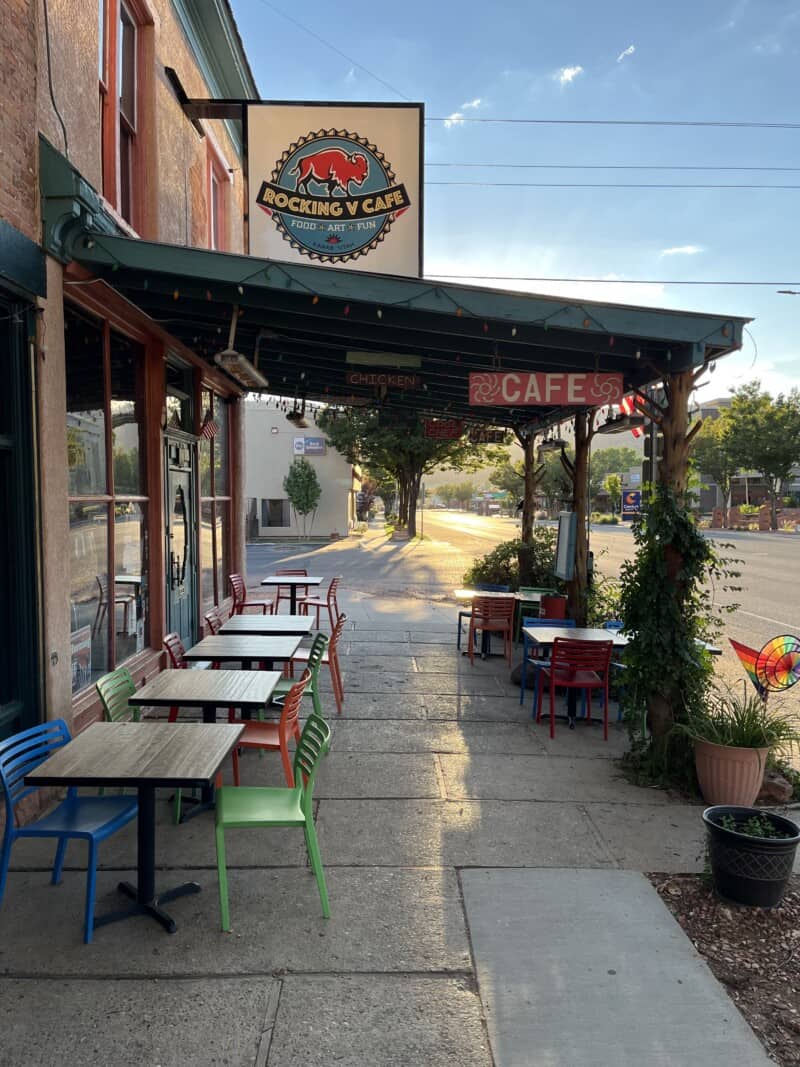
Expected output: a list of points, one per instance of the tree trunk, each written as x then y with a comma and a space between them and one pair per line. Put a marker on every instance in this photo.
773, 505
529, 488
673, 469
577, 587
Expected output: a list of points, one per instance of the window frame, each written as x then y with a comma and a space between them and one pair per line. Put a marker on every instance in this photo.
217, 173
217, 501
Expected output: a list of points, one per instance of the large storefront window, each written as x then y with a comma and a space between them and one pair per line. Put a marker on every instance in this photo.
215, 505
108, 504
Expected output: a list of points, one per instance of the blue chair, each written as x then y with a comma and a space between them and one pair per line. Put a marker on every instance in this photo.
535, 663
614, 624
480, 587
91, 819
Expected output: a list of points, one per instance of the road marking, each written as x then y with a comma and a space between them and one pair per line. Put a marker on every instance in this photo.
765, 618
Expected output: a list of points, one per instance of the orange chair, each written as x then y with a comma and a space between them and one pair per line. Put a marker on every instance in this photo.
576, 664
274, 736
492, 615
331, 657
330, 602
240, 601
283, 591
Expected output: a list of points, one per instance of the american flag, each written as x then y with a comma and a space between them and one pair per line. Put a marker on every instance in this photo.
628, 407
210, 428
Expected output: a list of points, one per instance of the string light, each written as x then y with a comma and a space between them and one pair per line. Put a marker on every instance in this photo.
315, 299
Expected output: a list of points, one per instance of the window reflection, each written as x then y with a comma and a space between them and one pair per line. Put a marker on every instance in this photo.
89, 592
221, 448
127, 358
86, 421
207, 552
130, 578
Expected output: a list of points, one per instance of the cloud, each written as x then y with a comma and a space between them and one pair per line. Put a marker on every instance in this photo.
567, 75
681, 250
476, 103
456, 119
351, 76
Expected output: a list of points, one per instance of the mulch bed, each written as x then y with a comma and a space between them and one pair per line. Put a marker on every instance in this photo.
754, 952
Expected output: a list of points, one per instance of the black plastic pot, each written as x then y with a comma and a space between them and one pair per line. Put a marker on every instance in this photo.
750, 870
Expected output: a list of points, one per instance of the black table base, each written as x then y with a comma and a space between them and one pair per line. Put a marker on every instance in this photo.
150, 907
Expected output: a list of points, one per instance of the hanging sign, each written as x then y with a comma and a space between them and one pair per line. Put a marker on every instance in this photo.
389, 379
481, 435
507, 389
337, 183
444, 429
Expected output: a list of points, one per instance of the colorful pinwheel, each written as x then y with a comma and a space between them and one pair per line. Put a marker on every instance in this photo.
777, 666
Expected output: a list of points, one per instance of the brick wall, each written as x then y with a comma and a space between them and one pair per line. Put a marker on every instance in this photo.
18, 147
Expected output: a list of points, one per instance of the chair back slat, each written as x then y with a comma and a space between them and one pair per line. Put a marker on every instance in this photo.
292, 703
332, 588
337, 633
238, 590
175, 651
114, 690
296, 572
316, 652
213, 619
313, 744
22, 753
570, 656
614, 624
499, 607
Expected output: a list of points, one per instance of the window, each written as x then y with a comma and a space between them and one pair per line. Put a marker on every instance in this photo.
215, 500
119, 66
275, 513
107, 549
218, 184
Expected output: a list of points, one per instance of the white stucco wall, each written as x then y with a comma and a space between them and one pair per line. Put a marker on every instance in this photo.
269, 451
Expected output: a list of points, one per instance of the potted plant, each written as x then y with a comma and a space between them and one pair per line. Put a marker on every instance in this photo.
733, 736
751, 853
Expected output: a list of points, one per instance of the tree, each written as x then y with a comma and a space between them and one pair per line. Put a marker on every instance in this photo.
554, 483
617, 460
463, 492
396, 442
713, 455
446, 493
509, 477
612, 483
302, 487
765, 436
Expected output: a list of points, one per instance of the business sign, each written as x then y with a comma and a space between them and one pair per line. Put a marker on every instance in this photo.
508, 389
631, 502
480, 435
337, 183
444, 429
309, 446
388, 379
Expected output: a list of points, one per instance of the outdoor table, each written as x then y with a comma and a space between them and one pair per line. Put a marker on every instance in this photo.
145, 756
245, 648
268, 625
292, 581
208, 690
470, 594
544, 636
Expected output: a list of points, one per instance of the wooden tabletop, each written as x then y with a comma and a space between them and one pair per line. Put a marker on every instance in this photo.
291, 579
129, 753
243, 647
546, 635
127, 579
268, 625
210, 689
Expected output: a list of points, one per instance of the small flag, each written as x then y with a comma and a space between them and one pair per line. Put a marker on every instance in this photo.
628, 407
209, 429
747, 658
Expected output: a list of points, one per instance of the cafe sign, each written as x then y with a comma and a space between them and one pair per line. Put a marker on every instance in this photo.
515, 389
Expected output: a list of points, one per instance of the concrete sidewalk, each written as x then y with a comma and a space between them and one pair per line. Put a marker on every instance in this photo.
436, 785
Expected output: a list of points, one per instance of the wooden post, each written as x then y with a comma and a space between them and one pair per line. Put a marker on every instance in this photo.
673, 469
579, 473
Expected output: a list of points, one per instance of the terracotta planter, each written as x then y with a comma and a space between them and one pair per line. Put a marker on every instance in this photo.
729, 775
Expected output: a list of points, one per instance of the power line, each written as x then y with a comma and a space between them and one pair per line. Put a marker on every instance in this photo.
618, 122
596, 281
603, 166
606, 185
333, 48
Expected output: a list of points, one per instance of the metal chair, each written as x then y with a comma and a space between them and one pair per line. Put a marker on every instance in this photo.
89, 819
283, 590
480, 587
127, 600
492, 615
240, 601
581, 665
535, 662
330, 602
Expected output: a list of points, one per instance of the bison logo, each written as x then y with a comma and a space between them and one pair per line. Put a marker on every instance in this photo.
333, 196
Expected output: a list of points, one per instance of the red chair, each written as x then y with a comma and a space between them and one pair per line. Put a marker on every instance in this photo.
331, 657
330, 602
213, 620
240, 601
492, 615
283, 590
576, 664
274, 736
175, 649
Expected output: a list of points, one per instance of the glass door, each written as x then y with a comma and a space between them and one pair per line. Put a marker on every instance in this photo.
180, 553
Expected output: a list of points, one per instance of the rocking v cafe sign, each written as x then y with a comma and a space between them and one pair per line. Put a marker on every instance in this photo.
339, 184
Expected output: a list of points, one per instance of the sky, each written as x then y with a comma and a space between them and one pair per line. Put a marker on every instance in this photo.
692, 60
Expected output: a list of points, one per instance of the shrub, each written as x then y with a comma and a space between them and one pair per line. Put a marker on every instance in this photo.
749, 509
604, 518
602, 600
516, 563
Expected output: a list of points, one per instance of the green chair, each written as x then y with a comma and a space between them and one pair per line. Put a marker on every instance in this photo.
315, 656
530, 596
259, 806
114, 690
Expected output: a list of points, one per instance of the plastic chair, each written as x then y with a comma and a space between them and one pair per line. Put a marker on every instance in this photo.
330, 602
330, 656
240, 601
576, 665
535, 662
614, 624
480, 587
90, 819
492, 615
274, 736
114, 690
283, 590
262, 807
316, 656
530, 596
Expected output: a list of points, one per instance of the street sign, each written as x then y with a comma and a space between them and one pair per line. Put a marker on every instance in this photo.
631, 502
